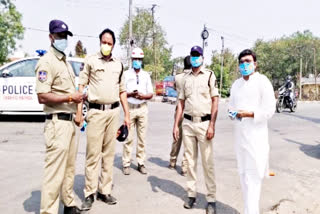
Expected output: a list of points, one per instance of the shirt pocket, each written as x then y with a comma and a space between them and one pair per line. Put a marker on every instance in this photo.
97, 73
63, 81
188, 90
204, 91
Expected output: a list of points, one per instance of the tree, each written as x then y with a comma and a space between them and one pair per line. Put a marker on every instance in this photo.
79, 50
281, 57
142, 29
11, 28
230, 72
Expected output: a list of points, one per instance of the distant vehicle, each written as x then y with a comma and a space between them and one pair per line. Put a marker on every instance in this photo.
285, 101
17, 86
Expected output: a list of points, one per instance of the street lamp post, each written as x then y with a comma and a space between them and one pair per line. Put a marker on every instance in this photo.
204, 36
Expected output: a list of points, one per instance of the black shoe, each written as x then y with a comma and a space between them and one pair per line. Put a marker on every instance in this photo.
88, 201
142, 169
71, 210
189, 204
211, 208
106, 198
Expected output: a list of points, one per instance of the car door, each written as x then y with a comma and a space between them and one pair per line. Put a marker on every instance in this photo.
17, 88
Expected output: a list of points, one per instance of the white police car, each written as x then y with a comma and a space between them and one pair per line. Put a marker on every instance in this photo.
17, 86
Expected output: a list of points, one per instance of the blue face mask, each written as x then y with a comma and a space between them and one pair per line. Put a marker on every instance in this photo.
60, 44
136, 64
196, 61
246, 68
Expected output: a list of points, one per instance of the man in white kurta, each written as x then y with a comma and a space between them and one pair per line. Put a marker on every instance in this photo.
252, 97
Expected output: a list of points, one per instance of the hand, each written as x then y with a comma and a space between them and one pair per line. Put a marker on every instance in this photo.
175, 133
210, 132
127, 121
139, 96
242, 113
77, 97
78, 120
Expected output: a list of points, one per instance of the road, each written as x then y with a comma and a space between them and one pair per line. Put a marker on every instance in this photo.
294, 158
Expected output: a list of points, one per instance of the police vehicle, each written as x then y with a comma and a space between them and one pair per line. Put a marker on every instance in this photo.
17, 86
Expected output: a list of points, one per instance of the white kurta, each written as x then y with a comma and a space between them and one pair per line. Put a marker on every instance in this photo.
251, 134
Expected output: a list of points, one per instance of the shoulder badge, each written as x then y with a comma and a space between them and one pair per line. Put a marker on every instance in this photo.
42, 76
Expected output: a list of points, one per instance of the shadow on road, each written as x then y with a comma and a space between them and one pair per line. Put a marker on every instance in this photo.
158, 161
32, 204
22, 118
311, 119
171, 187
118, 163
310, 150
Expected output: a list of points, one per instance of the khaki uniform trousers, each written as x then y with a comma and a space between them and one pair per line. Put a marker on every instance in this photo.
138, 120
59, 169
175, 149
101, 141
194, 136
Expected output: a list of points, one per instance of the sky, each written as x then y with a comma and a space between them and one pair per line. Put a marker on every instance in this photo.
240, 22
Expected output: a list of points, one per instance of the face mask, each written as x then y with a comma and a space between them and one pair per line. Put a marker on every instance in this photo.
106, 49
60, 44
136, 64
196, 61
246, 68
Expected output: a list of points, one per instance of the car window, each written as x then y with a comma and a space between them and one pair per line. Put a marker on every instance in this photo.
77, 67
22, 69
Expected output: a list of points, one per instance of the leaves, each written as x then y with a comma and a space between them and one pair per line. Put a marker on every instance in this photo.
11, 28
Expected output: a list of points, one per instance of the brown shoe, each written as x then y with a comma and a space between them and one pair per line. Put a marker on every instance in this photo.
126, 170
142, 169
172, 166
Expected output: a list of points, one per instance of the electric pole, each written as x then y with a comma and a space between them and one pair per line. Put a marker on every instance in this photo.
315, 73
221, 71
300, 77
130, 34
204, 36
154, 42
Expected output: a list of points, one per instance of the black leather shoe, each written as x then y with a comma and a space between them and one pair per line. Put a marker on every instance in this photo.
142, 169
71, 210
211, 208
106, 198
189, 204
88, 201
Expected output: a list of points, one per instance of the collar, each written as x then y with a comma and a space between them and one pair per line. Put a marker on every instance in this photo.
202, 71
100, 56
58, 54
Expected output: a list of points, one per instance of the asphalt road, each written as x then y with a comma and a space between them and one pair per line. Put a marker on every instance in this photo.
294, 158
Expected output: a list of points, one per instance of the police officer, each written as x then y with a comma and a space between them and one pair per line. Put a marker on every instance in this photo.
139, 90
56, 89
104, 76
198, 100
176, 145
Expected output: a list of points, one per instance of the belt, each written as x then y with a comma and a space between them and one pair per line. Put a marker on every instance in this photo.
197, 119
104, 106
136, 105
61, 116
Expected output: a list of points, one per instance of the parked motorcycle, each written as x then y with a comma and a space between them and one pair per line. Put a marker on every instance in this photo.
285, 101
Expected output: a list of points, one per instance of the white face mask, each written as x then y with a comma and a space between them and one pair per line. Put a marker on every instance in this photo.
60, 44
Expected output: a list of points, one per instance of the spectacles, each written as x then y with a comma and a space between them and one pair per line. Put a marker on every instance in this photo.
137, 79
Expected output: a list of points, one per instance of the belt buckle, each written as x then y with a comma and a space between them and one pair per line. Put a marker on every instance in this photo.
196, 119
107, 106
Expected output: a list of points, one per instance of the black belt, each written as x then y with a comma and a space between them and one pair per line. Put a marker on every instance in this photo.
104, 107
61, 116
203, 118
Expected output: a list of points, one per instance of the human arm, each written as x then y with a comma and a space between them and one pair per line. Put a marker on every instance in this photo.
125, 107
178, 116
214, 113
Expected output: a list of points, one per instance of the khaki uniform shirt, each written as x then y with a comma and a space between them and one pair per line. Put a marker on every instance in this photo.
197, 93
55, 75
105, 79
178, 81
